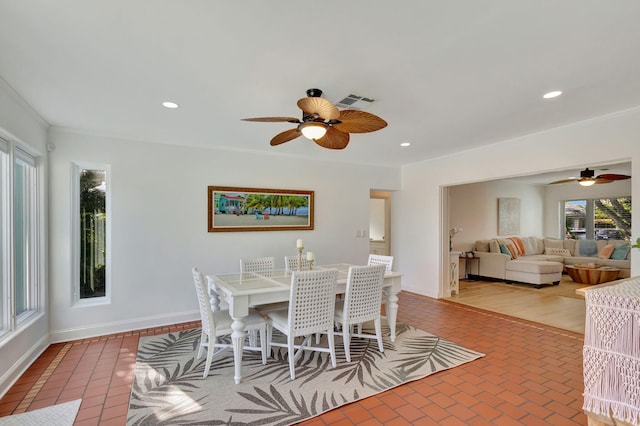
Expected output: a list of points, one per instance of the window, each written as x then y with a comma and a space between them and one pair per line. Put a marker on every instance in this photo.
91, 225
5, 312
20, 243
600, 219
24, 232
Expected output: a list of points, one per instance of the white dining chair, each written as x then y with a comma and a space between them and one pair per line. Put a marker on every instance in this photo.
361, 303
218, 323
291, 263
257, 264
311, 310
378, 259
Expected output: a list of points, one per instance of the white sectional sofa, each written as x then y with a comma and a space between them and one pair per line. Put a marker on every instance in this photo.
494, 260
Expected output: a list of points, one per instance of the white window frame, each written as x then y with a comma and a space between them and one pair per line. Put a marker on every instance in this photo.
76, 169
10, 152
6, 258
33, 277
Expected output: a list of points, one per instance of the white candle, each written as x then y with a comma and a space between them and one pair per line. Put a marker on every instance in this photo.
300, 243
310, 255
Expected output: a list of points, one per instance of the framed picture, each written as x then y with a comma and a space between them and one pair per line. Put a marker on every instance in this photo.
508, 216
233, 209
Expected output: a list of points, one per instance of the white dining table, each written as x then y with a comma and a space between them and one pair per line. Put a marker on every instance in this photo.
243, 290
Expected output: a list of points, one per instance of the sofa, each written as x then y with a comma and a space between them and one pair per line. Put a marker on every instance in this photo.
496, 254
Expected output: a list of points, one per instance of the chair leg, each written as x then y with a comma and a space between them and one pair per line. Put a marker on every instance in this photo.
203, 340
207, 364
292, 365
346, 339
379, 333
332, 347
263, 344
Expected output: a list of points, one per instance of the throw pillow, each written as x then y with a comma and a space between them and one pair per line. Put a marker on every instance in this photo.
620, 252
553, 243
557, 251
494, 247
606, 251
513, 250
505, 250
587, 248
482, 245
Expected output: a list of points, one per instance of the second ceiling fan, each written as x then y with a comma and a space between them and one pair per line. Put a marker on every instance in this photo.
323, 123
587, 178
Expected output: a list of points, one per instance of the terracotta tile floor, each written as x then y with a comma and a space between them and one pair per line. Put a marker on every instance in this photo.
531, 375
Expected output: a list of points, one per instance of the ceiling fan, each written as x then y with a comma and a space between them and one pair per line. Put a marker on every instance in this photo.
323, 123
586, 178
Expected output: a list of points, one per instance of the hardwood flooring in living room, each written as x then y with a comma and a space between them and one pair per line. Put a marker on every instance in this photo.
558, 306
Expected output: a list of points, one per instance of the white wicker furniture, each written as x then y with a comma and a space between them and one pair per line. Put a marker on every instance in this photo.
361, 303
378, 259
291, 263
258, 264
218, 323
311, 309
241, 291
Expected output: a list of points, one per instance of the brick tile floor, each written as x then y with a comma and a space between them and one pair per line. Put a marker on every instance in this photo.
531, 375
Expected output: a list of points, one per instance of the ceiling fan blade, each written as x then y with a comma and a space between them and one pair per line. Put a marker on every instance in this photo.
325, 109
273, 119
354, 121
285, 136
334, 139
602, 180
613, 176
563, 181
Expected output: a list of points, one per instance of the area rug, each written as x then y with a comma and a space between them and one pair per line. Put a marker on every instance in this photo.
59, 415
168, 387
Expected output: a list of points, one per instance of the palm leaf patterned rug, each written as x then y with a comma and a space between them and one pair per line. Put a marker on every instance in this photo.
168, 388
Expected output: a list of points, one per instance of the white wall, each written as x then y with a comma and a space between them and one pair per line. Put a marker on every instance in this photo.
474, 208
377, 218
20, 124
420, 222
159, 228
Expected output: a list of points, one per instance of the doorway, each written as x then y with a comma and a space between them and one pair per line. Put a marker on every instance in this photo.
380, 222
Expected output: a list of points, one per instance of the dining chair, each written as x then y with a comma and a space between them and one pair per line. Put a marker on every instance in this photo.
378, 259
217, 324
257, 264
291, 263
311, 310
361, 303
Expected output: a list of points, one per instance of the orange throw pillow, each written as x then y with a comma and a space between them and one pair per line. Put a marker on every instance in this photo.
514, 252
606, 251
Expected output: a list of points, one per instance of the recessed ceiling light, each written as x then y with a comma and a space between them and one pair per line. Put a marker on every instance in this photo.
405, 144
553, 94
170, 105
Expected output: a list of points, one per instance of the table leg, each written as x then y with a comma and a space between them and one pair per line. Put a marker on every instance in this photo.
391, 309
237, 338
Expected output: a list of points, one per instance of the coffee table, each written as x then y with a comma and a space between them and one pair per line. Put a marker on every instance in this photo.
585, 274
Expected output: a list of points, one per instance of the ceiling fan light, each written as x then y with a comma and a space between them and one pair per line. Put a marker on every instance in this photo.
313, 130
587, 181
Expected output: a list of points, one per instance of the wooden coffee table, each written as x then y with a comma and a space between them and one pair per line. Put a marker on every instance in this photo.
585, 274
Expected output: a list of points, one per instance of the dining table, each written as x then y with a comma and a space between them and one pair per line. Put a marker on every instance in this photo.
250, 289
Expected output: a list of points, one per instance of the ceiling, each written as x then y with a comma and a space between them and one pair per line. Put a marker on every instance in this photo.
447, 76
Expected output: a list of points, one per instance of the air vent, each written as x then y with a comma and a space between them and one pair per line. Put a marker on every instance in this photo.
355, 102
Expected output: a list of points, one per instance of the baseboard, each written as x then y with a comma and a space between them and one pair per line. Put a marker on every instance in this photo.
20, 366
67, 335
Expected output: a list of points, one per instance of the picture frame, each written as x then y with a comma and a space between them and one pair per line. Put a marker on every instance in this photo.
237, 209
508, 216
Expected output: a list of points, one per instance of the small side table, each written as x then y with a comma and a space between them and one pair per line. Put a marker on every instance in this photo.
468, 263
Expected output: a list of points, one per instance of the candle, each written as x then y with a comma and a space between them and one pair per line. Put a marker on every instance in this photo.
310, 256
300, 243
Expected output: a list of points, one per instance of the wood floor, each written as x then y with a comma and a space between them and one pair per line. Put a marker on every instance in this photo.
557, 306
